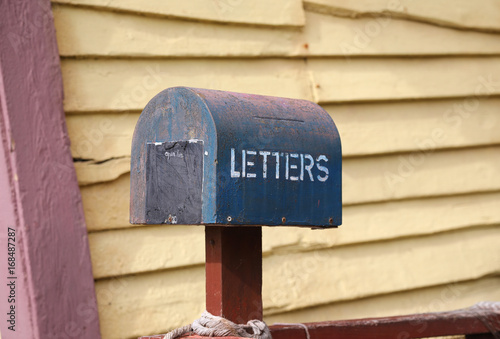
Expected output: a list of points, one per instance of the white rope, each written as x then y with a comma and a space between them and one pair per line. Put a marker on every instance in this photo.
209, 325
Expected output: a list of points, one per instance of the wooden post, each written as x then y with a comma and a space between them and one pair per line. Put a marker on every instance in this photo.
234, 272
46, 284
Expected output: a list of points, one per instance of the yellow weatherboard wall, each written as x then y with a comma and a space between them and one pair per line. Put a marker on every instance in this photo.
414, 88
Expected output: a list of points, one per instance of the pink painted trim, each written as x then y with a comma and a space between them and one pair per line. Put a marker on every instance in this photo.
39, 194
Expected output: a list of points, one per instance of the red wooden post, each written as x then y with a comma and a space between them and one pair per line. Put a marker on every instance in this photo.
48, 290
234, 272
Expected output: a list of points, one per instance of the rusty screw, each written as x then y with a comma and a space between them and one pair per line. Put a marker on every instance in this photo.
330, 220
283, 220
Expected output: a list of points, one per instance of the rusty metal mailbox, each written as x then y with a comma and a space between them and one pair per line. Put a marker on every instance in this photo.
221, 158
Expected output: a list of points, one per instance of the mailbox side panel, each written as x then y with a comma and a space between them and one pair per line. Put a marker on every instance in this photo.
278, 162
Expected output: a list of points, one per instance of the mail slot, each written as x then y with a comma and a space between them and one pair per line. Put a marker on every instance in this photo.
221, 158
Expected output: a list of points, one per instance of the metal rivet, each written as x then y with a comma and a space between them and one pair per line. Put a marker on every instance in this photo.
169, 218
283, 219
330, 220
229, 219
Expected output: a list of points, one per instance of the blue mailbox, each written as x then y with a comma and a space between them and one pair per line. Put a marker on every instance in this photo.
221, 158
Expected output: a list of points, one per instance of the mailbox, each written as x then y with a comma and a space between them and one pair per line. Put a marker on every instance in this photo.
221, 158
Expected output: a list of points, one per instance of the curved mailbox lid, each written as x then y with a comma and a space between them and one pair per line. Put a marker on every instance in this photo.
212, 157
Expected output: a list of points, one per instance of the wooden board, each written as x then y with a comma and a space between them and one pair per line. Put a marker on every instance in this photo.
91, 172
421, 174
98, 137
107, 205
417, 174
439, 298
404, 79
142, 249
463, 14
328, 35
378, 128
386, 267
91, 32
365, 129
46, 282
124, 85
127, 85
365, 180
458, 322
258, 12
134, 306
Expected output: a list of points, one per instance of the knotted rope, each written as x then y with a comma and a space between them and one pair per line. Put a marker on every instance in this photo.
209, 325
